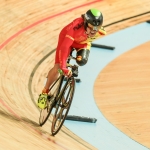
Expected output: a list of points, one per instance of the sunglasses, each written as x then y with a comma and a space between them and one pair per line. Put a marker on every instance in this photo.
94, 28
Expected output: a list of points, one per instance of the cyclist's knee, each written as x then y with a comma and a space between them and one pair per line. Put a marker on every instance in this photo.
82, 56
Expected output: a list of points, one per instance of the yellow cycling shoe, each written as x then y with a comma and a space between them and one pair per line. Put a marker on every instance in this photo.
42, 101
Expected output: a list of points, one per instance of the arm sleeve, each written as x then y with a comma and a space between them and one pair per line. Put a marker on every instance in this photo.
64, 51
65, 46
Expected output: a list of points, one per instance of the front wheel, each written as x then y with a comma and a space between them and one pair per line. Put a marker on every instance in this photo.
63, 105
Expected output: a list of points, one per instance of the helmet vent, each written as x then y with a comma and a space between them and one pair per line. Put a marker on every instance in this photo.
94, 22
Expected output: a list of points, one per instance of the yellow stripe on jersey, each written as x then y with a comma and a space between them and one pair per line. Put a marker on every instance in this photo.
102, 30
70, 37
87, 47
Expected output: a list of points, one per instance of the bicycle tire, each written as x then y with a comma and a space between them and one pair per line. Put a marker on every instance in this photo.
63, 103
45, 113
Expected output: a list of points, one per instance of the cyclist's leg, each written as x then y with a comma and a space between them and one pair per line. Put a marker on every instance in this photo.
51, 77
82, 54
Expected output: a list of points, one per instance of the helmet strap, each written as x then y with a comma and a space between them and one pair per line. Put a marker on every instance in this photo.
85, 23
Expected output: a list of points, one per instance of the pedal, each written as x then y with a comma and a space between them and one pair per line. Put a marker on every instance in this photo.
51, 100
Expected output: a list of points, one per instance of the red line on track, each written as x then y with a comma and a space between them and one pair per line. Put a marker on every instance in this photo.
40, 21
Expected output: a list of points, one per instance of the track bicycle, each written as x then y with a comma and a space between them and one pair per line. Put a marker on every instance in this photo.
60, 99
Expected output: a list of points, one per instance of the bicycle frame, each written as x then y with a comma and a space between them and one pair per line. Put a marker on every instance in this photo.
61, 99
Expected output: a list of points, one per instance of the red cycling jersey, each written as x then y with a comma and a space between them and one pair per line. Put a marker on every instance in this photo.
73, 36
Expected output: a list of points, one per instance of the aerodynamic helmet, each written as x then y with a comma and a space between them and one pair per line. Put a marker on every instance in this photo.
93, 17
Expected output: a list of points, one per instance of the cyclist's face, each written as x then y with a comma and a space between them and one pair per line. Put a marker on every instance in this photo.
92, 30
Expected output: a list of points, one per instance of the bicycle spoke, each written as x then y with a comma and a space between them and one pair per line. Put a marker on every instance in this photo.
58, 118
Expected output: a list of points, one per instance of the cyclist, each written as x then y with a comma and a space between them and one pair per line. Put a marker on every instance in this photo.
78, 34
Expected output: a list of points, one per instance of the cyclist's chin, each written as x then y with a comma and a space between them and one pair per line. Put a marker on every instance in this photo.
92, 34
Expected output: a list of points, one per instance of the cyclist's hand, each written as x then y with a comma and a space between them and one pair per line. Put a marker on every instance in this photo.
67, 72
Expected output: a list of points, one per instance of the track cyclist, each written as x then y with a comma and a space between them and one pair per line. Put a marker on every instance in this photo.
78, 34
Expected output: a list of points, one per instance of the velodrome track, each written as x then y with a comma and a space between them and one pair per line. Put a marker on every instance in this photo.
29, 31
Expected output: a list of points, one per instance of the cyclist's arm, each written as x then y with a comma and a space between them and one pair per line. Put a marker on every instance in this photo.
79, 45
64, 51
65, 48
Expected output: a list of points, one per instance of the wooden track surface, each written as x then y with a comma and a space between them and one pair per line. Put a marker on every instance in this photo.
28, 34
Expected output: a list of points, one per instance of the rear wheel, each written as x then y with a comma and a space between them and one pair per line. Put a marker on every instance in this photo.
45, 113
63, 106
